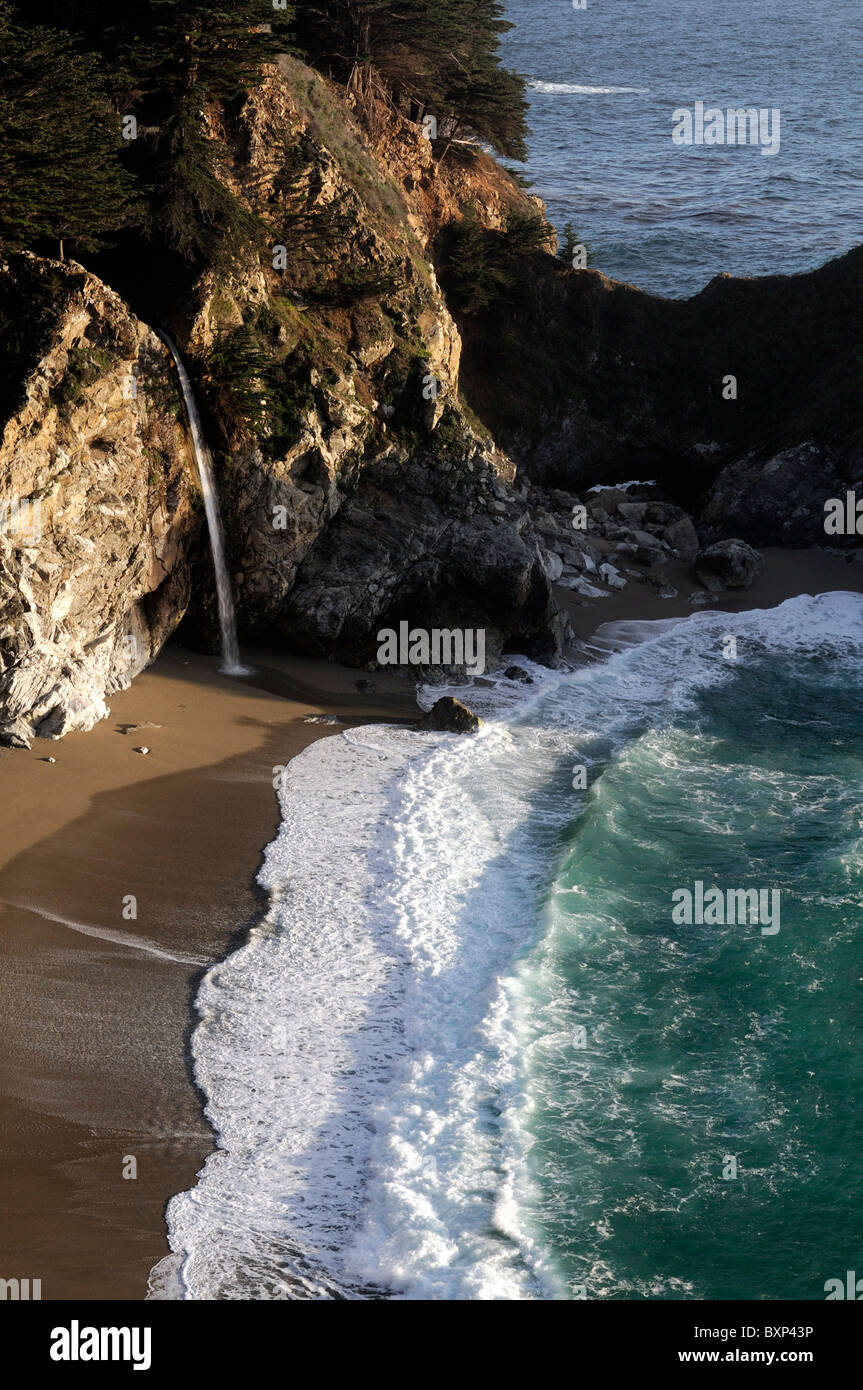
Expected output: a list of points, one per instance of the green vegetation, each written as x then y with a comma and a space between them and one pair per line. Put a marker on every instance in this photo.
85, 366
435, 57
67, 173
250, 390
110, 114
60, 171
482, 265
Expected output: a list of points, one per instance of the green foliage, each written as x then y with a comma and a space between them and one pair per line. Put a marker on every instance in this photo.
481, 265
251, 391
436, 56
165, 62
567, 243
192, 208
154, 51
60, 170
85, 366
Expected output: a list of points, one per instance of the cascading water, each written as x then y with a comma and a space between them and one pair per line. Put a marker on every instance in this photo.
231, 665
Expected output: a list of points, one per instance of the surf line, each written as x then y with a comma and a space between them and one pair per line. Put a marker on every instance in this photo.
116, 938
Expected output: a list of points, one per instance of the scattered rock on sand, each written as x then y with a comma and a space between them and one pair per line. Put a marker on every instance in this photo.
143, 750
450, 716
683, 539
612, 577
730, 564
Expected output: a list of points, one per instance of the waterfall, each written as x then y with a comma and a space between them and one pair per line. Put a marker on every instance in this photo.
231, 665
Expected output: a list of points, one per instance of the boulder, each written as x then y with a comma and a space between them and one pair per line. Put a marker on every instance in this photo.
450, 716
633, 512
518, 673
682, 536
612, 577
729, 564
552, 564
780, 500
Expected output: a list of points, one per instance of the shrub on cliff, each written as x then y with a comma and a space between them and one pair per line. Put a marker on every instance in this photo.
480, 265
439, 57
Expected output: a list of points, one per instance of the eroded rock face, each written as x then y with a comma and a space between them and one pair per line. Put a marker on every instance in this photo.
585, 380
97, 512
416, 544
379, 496
781, 500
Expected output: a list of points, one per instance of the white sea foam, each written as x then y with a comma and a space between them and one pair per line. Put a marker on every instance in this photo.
364, 1054
576, 89
116, 938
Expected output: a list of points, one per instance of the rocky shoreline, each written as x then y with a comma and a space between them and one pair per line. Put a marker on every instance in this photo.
360, 485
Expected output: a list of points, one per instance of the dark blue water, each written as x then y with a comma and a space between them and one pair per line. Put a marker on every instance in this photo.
669, 218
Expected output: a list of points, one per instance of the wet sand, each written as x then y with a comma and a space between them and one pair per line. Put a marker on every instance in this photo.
95, 1005
95, 1028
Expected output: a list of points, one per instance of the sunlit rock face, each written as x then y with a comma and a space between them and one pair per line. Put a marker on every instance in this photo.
97, 499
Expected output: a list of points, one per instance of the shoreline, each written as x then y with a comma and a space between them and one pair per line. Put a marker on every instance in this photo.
97, 1007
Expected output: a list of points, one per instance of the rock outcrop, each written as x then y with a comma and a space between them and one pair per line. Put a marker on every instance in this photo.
585, 380
729, 564
781, 500
364, 493
450, 716
97, 499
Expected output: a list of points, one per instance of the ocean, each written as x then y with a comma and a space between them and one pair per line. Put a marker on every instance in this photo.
603, 85
471, 1053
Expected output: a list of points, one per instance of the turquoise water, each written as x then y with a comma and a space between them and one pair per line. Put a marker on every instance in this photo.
604, 82
709, 1042
404, 1104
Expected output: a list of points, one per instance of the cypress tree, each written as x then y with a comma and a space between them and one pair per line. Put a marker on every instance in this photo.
60, 144
440, 56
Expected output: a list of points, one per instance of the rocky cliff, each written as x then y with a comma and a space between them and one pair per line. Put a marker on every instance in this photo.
358, 489
97, 502
358, 427
743, 401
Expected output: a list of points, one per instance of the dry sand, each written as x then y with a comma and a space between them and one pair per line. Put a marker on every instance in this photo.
95, 1028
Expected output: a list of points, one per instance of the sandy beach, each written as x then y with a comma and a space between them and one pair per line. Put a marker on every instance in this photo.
96, 991
96, 1008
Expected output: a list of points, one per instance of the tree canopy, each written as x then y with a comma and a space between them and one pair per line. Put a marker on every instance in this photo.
71, 75
442, 56
60, 143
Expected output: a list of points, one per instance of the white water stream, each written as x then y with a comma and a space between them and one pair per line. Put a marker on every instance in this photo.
231, 664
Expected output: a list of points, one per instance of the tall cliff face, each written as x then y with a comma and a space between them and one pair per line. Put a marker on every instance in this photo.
357, 488
97, 514
723, 397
